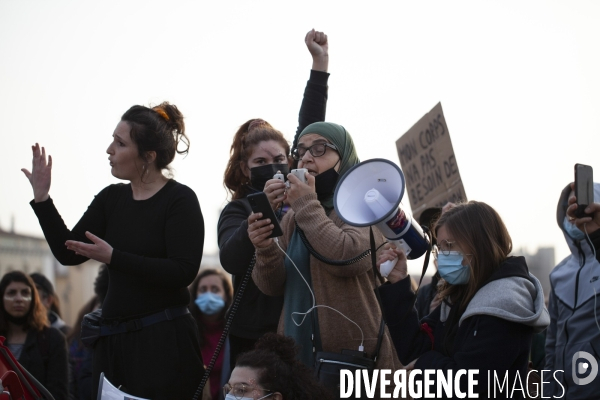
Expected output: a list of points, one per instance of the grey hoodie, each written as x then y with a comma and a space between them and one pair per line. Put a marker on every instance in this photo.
575, 314
512, 298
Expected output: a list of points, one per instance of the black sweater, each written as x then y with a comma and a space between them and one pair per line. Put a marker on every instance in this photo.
482, 342
257, 312
157, 245
45, 357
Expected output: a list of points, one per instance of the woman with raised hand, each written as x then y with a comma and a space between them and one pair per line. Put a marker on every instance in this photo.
327, 151
491, 305
257, 153
150, 233
39, 348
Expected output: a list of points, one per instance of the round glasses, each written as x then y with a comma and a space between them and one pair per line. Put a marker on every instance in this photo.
444, 247
240, 390
316, 150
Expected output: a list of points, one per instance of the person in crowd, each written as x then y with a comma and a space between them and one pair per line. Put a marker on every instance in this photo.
50, 301
271, 371
349, 316
211, 294
491, 304
257, 153
150, 233
427, 298
39, 348
78, 353
573, 304
80, 356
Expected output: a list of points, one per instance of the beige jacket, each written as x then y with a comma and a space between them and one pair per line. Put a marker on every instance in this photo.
349, 289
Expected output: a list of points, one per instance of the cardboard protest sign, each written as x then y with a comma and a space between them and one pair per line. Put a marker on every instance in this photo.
429, 165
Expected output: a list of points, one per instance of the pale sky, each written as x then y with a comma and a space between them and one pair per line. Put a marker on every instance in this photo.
518, 82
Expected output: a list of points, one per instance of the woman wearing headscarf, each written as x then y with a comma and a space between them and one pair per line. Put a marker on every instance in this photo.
327, 151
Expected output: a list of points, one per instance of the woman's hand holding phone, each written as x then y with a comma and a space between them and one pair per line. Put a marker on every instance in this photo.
259, 230
299, 189
275, 191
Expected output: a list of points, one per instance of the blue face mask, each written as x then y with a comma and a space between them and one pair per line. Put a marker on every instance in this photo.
210, 303
573, 230
451, 269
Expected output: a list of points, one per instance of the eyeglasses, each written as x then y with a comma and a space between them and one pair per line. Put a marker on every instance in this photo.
316, 150
240, 390
444, 247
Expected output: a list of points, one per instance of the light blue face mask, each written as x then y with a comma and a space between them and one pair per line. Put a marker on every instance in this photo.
451, 269
210, 303
573, 230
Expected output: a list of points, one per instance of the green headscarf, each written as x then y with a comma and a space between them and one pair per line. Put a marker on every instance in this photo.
340, 137
296, 297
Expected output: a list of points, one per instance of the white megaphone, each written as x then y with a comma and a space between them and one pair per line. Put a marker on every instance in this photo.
370, 194
107, 391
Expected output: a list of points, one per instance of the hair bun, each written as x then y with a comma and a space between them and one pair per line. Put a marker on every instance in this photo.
174, 118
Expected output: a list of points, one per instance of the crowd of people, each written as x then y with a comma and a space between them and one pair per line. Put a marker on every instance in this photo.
285, 300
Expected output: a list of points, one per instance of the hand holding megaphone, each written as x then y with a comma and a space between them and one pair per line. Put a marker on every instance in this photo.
396, 258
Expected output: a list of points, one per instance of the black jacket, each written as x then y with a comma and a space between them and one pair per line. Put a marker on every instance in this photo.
493, 334
258, 313
45, 356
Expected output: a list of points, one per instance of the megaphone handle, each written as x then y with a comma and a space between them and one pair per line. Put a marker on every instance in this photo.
387, 267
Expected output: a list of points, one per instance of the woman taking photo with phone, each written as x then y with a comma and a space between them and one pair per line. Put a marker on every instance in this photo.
257, 153
491, 304
150, 233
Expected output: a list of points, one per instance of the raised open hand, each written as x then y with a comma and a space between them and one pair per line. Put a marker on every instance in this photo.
41, 173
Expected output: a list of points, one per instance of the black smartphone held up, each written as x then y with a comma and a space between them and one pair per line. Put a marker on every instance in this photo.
260, 204
584, 188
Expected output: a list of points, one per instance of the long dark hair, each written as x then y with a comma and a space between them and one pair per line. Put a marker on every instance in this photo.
278, 370
37, 317
247, 136
195, 311
160, 129
47, 290
479, 231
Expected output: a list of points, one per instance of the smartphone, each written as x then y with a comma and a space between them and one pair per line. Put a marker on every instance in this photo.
584, 188
260, 204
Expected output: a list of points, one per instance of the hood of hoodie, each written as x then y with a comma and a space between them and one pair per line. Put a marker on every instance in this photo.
580, 266
561, 212
512, 294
